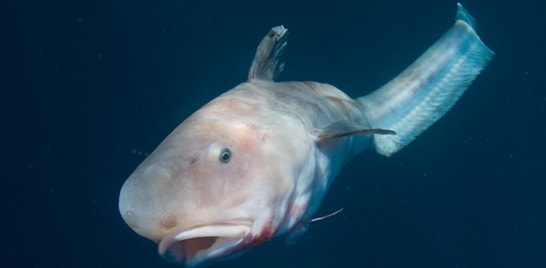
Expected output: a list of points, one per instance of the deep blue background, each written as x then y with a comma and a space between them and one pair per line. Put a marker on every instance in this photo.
88, 87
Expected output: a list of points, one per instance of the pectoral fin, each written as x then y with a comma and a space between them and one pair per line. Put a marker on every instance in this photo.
342, 129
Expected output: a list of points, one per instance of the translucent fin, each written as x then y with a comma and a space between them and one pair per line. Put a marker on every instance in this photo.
463, 15
428, 88
266, 61
342, 129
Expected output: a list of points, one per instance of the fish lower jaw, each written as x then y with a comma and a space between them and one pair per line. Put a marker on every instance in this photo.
204, 244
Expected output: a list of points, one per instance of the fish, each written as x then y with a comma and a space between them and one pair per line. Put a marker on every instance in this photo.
256, 162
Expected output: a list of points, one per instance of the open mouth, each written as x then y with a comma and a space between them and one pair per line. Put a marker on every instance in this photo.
205, 243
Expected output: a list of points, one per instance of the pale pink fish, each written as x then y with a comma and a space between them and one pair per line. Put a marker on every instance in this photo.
255, 162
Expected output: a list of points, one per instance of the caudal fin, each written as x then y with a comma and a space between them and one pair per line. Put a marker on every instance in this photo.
429, 87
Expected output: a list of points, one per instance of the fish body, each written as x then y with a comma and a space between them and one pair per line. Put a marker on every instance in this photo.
256, 162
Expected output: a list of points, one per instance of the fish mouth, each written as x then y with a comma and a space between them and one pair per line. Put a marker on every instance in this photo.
203, 244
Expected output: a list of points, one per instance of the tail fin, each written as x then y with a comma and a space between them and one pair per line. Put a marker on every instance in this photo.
429, 87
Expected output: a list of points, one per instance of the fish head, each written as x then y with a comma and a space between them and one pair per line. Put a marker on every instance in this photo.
218, 184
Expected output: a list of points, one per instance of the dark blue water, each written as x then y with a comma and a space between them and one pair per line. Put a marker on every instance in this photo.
89, 87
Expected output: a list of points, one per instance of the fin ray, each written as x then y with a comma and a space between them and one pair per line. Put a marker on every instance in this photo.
266, 60
429, 87
345, 128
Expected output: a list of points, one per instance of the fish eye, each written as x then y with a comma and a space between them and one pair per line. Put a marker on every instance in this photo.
225, 155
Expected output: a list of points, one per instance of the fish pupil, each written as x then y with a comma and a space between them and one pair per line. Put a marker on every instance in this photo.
225, 155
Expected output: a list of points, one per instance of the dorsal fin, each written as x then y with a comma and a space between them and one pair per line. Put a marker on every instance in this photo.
266, 65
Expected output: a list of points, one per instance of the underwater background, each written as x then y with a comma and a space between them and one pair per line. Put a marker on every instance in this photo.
89, 88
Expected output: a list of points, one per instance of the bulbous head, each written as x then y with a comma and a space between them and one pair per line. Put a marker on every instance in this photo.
219, 183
